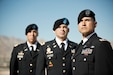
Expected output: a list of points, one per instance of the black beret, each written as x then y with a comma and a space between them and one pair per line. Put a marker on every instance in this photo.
86, 13
31, 27
59, 22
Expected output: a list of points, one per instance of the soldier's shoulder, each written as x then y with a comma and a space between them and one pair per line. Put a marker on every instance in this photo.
42, 43
73, 43
18, 44
103, 40
49, 42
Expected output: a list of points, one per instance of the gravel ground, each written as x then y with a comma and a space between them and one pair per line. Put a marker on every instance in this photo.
4, 71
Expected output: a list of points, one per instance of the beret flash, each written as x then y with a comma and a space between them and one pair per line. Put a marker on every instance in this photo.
31, 27
59, 22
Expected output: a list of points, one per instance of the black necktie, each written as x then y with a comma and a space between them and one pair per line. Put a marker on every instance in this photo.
81, 43
63, 47
32, 52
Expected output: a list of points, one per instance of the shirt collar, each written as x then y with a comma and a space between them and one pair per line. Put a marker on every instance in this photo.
86, 38
59, 42
34, 45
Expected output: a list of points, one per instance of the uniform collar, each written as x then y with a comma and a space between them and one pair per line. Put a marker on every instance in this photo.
59, 42
34, 45
86, 38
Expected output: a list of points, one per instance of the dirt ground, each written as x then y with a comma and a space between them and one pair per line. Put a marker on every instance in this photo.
4, 71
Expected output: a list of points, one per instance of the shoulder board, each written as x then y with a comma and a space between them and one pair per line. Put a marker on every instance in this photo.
15, 45
102, 39
42, 43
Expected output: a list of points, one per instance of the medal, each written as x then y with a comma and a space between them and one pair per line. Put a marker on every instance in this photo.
50, 64
87, 51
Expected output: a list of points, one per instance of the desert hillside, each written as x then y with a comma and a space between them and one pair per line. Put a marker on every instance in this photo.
6, 46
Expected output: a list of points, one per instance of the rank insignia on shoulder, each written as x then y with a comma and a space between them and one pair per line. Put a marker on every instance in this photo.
15, 45
102, 40
42, 43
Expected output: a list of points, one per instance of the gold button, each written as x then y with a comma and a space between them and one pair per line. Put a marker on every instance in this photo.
63, 64
64, 71
85, 59
63, 58
31, 70
17, 71
31, 64
73, 60
73, 68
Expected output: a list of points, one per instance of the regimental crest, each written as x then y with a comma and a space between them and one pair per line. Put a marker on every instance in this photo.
54, 45
73, 51
25, 49
37, 50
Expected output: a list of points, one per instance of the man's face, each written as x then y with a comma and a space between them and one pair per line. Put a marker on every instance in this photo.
86, 26
62, 31
32, 36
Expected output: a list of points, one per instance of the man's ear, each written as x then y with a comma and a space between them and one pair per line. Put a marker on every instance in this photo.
95, 24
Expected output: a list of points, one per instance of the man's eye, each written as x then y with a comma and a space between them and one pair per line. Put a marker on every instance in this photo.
81, 20
87, 20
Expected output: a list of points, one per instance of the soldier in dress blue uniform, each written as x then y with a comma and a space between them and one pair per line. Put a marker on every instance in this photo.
56, 60
94, 55
24, 56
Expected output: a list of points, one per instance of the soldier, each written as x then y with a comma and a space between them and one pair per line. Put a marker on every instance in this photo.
55, 57
94, 55
24, 56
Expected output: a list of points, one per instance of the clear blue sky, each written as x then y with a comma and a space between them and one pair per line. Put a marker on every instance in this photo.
15, 15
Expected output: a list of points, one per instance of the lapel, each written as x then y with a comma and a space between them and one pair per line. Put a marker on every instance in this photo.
69, 48
36, 52
52, 49
78, 49
27, 51
55, 47
87, 44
